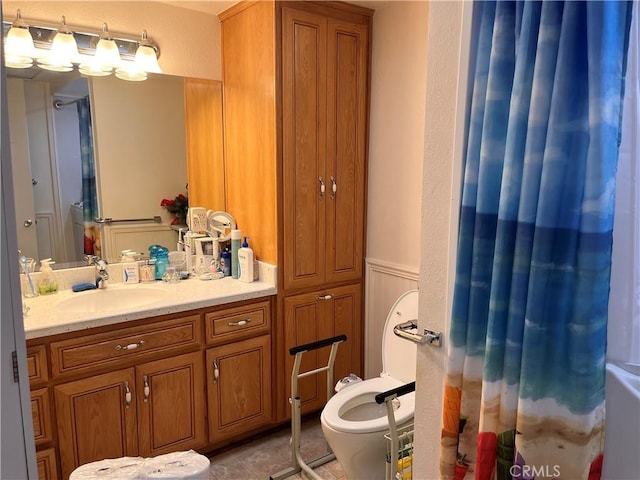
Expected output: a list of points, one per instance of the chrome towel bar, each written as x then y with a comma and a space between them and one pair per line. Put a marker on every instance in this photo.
108, 220
427, 337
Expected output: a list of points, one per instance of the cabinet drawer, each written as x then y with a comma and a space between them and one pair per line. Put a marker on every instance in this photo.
238, 322
47, 465
37, 365
40, 411
115, 348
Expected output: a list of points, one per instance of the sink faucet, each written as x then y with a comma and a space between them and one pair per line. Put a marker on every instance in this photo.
102, 275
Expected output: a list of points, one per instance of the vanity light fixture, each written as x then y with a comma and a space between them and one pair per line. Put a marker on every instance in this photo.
95, 53
19, 47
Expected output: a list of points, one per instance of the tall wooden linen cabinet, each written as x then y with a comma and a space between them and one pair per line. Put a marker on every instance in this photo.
296, 97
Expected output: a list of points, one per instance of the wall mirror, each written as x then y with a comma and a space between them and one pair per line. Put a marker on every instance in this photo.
150, 139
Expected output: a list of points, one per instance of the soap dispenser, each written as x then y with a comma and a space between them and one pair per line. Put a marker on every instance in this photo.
47, 284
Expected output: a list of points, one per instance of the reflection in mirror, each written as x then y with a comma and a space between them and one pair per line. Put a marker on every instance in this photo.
138, 133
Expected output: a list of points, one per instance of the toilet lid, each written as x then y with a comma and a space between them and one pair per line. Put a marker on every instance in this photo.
399, 354
340, 412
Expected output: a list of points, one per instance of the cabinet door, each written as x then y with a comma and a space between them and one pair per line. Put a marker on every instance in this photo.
46, 462
96, 419
303, 146
347, 100
170, 397
314, 316
239, 387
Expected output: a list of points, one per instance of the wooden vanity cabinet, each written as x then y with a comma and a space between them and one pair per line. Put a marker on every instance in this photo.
239, 387
142, 388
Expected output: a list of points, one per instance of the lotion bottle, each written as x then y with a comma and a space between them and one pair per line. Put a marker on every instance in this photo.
245, 262
130, 267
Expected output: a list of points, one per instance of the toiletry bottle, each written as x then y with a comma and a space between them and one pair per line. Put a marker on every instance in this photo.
236, 235
225, 263
130, 267
162, 261
47, 284
245, 262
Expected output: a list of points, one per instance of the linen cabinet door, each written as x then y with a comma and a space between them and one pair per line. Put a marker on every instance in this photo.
347, 100
239, 387
303, 147
345, 318
171, 403
305, 322
96, 419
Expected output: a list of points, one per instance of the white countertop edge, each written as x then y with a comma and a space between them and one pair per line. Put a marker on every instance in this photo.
43, 319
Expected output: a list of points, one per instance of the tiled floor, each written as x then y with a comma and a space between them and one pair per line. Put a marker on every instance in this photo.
266, 456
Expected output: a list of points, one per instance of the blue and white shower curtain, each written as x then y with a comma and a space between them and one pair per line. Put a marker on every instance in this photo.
524, 394
92, 245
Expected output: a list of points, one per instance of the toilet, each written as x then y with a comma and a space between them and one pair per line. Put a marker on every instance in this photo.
353, 424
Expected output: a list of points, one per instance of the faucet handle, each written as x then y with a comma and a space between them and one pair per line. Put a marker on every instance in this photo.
91, 259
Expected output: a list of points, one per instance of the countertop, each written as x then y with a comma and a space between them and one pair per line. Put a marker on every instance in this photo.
46, 316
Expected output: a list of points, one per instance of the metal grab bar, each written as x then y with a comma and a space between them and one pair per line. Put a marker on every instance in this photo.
108, 220
428, 336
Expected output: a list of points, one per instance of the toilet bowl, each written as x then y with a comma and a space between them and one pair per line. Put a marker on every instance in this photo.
353, 423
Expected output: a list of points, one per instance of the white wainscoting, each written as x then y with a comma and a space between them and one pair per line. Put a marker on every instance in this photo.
385, 282
136, 237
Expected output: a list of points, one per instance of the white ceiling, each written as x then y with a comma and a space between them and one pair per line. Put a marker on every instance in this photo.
214, 7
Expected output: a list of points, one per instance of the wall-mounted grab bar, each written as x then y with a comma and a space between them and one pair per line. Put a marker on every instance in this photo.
428, 336
108, 220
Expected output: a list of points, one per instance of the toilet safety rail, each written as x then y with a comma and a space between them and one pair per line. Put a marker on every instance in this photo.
298, 464
395, 444
427, 337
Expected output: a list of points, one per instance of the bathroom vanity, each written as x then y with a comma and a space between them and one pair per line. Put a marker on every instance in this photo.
190, 370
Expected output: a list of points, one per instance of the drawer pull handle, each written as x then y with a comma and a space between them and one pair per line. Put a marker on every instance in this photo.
147, 389
240, 323
325, 297
334, 188
322, 188
127, 395
216, 372
131, 346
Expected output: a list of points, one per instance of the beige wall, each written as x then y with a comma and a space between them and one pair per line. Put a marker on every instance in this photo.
396, 138
189, 41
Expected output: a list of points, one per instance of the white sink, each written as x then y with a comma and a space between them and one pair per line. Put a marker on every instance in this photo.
108, 300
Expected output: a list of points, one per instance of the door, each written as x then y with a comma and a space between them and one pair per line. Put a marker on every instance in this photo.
303, 146
22, 179
170, 398
239, 386
310, 317
96, 419
347, 100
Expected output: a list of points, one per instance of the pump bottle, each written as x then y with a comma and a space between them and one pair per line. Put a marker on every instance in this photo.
47, 284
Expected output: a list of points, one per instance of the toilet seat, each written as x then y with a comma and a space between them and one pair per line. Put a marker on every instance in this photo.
364, 394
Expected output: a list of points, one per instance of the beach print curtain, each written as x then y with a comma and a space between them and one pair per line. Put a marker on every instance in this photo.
89, 195
524, 394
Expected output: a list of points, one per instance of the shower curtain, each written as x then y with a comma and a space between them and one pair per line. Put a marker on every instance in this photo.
89, 196
524, 393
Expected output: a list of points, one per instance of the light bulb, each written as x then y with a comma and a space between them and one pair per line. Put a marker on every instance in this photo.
19, 48
146, 58
63, 53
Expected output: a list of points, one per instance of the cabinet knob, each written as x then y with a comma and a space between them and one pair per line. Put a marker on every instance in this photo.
127, 395
147, 389
216, 372
131, 346
240, 323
